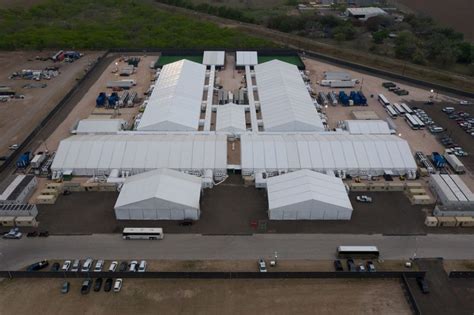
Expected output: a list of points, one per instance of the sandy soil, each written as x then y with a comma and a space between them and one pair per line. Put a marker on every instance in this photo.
298, 296
18, 117
86, 106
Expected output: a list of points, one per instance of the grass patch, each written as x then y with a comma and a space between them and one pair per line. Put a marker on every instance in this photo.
295, 60
164, 60
102, 24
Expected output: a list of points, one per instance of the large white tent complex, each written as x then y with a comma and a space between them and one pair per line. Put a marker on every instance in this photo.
376, 127
356, 155
284, 99
307, 195
175, 103
92, 155
230, 117
159, 195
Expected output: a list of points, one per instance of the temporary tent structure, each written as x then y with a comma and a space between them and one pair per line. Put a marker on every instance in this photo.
100, 126
159, 195
307, 195
230, 118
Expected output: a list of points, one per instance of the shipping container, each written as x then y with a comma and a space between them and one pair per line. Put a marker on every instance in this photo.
438, 160
455, 163
37, 160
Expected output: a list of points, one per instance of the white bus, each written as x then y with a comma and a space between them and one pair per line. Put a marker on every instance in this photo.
358, 252
383, 100
391, 112
407, 109
142, 234
412, 122
399, 109
421, 124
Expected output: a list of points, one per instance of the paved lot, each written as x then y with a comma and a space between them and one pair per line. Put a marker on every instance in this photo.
447, 296
302, 296
232, 208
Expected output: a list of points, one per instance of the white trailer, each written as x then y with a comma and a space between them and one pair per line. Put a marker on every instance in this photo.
124, 84
455, 163
37, 160
338, 83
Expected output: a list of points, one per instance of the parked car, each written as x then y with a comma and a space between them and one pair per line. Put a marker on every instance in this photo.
14, 147
262, 266
423, 285
86, 286
186, 223
338, 265
76, 265
123, 266
364, 198
118, 285
86, 266
38, 265
65, 287
66, 265
351, 265
43, 234
97, 284
370, 266
113, 266
361, 268
133, 266
32, 234
55, 267
99, 265
108, 284
142, 266
13, 234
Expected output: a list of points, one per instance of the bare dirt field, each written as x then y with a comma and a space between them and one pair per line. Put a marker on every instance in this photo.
298, 296
18, 117
458, 14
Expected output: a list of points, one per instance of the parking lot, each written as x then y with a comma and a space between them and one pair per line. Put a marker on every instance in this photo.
300, 296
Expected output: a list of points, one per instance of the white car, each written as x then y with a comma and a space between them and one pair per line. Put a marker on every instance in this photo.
364, 198
99, 265
133, 266
118, 285
13, 234
262, 267
13, 147
142, 266
113, 266
87, 265
66, 265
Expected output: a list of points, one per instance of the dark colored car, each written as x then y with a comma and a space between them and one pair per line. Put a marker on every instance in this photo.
186, 223
65, 287
370, 266
38, 265
97, 284
32, 234
123, 266
86, 286
423, 284
44, 234
338, 265
351, 265
108, 284
55, 267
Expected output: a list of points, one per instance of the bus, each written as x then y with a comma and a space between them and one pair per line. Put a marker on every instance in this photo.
412, 122
383, 100
358, 252
407, 108
142, 234
391, 112
400, 110
421, 124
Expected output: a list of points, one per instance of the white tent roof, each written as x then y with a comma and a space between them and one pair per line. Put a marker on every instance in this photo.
356, 154
216, 58
99, 126
285, 102
303, 185
90, 155
161, 187
246, 58
175, 103
452, 188
230, 117
379, 127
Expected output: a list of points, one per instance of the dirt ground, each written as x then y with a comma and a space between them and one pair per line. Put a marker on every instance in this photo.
169, 296
19, 117
86, 105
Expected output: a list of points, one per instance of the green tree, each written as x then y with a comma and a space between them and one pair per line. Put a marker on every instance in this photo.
466, 53
379, 36
405, 45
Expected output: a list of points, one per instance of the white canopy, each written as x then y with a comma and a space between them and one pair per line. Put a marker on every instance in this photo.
246, 58
354, 154
285, 102
378, 127
175, 103
230, 117
96, 126
307, 195
216, 58
89, 155
159, 195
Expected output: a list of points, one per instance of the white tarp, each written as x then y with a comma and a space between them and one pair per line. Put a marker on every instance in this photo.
284, 99
161, 194
175, 103
100, 126
246, 58
230, 117
216, 58
307, 195
89, 155
354, 154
